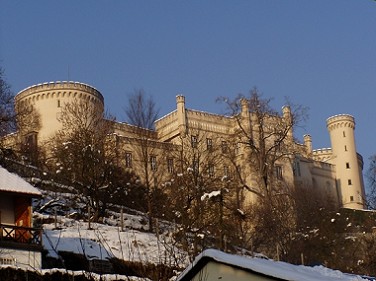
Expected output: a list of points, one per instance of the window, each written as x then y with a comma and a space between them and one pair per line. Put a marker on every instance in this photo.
344, 134
211, 170
58, 103
278, 172
351, 198
296, 169
224, 147
194, 141
128, 160
345, 148
153, 163
209, 144
170, 165
349, 182
225, 171
347, 165
30, 142
8, 261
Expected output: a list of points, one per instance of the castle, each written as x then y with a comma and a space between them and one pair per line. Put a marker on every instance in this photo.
334, 172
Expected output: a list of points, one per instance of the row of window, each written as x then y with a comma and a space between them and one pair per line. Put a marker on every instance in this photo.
209, 144
170, 165
152, 161
278, 171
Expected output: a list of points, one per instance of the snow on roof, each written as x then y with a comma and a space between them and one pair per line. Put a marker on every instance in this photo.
13, 183
281, 270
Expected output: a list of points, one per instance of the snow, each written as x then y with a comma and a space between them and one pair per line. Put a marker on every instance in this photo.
104, 241
93, 276
13, 183
210, 195
276, 269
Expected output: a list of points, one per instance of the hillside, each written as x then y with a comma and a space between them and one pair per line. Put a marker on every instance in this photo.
121, 244
111, 240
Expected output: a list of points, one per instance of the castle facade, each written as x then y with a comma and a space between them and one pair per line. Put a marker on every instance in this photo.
334, 172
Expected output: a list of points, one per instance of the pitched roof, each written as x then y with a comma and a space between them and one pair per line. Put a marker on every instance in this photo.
265, 267
10, 182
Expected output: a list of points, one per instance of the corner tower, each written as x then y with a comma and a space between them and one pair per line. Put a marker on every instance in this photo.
46, 101
348, 163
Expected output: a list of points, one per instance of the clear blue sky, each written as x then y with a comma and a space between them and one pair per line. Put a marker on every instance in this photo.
320, 53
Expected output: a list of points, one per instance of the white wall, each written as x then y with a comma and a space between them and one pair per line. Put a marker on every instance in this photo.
22, 258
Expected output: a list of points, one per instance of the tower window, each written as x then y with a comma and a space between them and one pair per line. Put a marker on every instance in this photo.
344, 134
224, 147
153, 163
351, 198
128, 160
278, 172
345, 148
225, 171
347, 165
296, 168
349, 182
209, 144
211, 170
58, 103
170, 165
194, 141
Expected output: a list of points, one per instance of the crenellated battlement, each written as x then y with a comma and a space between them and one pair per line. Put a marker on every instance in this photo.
340, 120
322, 154
58, 86
164, 120
322, 151
209, 116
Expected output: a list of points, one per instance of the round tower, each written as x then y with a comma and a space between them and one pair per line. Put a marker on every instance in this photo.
348, 163
46, 101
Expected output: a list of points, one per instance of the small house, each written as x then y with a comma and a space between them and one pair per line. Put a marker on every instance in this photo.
20, 243
213, 265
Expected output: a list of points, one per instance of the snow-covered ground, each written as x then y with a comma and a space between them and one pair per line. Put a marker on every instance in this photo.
103, 241
130, 241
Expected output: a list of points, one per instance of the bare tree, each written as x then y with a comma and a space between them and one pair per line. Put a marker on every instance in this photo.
371, 176
268, 149
7, 112
84, 153
266, 136
202, 192
141, 112
21, 118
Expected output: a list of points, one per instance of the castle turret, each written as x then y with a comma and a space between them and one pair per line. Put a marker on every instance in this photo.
346, 160
182, 120
287, 117
308, 144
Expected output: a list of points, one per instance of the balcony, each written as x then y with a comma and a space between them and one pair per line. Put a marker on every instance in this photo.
19, 237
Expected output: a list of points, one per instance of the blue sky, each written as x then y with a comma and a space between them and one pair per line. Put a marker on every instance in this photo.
321, 54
